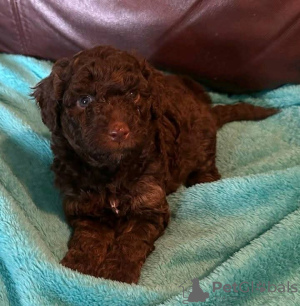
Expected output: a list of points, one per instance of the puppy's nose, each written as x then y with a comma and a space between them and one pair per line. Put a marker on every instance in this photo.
119, 131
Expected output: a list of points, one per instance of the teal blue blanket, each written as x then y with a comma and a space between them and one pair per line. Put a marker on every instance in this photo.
242, 232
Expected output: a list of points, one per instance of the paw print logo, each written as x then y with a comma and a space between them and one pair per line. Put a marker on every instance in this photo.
197, 294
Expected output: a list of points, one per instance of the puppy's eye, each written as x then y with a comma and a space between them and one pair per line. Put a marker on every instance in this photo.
134, 96
84, 101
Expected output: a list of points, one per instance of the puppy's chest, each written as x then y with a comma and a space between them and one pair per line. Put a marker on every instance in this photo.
118, 202
109, 199
97, 194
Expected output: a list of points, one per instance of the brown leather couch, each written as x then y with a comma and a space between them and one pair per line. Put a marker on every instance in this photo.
234, 45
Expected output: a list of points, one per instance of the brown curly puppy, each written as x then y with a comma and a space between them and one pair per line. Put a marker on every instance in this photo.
124, 135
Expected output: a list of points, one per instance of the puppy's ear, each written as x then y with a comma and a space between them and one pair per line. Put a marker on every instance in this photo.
148, 71
158, 107
49, 92
154, 78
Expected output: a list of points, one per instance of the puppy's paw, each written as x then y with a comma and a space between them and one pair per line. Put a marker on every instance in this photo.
122, 271
82, 262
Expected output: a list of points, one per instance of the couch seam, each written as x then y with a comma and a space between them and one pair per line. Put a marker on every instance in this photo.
175, 26
27, 34
18, 23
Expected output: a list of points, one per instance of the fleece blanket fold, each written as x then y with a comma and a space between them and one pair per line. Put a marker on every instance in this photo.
238, 238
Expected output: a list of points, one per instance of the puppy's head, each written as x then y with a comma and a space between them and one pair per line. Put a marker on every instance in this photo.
102, 101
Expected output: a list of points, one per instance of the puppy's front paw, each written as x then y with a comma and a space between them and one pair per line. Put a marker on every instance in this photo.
122, 271
82, 262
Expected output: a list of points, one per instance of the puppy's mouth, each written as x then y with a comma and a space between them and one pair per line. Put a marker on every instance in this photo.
118, 146
112, 156
113, 150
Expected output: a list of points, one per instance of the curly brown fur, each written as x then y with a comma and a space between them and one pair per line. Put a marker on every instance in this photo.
124, 135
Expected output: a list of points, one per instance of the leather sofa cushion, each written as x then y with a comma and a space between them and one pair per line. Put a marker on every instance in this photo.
231, 45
